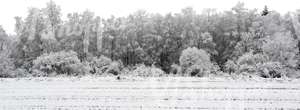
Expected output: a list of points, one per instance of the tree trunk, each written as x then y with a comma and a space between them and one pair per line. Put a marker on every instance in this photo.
99, 38
86, 42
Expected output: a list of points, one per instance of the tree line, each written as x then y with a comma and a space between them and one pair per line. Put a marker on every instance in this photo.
236, 41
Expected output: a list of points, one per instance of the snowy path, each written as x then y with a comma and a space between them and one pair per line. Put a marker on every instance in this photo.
98, 94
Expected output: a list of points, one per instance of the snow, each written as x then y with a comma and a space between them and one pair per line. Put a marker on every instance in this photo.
147, 93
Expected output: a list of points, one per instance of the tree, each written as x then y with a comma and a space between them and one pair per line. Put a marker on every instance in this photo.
6, 62
53, 15
87, 18
282, 47
83, 34
239, 14
232, 39
98, 31
205, 42
265, 12
30, 43
115, 40
229, 29
250, 41
194, 61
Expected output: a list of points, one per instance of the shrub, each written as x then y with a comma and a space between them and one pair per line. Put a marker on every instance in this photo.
248, 62
175, 69
271, 70
79, 69
231, 66
40, 73
114, 68
259, 65
195, 60
195, 70
19, 72
146, 71
99, 65
293, 73
62, 62
215, 69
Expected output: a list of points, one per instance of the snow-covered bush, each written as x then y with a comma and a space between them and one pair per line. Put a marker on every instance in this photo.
195, 61
248, 62
292, 73
231, 66
146, 71
19, 72
40, 73
251, 59
271, 70
79, 69
114, 68
63, 62
99, 65
259, 65
195, 70
175, 69
215, 69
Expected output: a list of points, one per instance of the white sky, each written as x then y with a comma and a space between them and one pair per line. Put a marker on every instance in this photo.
104, 8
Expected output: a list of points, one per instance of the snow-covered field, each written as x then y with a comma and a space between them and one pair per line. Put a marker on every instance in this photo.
90, 93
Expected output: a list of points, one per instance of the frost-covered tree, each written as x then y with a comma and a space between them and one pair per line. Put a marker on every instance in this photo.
53, 15
282, 47
205, 42
195, 61
6, 62
250, 41
235, 36
265, 12
30, 43
81, 33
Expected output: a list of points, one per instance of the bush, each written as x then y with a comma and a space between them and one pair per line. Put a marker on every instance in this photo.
195, 70
114, 68
259, 65
19, 72
59, 63
195, 61
215, 69
145, 71
248, 62
175, 69
271, 70
293, 73
231, 66
99, 65
79, 69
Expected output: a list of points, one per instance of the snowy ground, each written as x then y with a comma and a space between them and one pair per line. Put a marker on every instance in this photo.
147, 94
